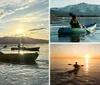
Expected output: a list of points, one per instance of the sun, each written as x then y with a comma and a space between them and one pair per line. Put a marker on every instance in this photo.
30, 0
20, 31
87, 56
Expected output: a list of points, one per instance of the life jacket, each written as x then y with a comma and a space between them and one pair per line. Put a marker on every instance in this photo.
74, 24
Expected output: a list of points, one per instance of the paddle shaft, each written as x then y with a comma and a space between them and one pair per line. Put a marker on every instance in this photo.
73, 64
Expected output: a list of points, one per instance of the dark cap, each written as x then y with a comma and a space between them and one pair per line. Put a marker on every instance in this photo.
71, 14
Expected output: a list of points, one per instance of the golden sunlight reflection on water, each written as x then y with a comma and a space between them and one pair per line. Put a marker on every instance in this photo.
87, 63
87, 66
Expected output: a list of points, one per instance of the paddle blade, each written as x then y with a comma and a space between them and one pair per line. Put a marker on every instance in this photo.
69, 64
81, 65
5, 46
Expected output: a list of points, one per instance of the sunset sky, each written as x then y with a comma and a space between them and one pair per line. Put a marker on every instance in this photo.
25, 15
62, 3
64, 51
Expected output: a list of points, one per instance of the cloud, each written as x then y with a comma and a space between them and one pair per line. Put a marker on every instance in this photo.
29, 18
13, 2
2, 13
17, 9
21, 7
35, 29
12, 6
31, 0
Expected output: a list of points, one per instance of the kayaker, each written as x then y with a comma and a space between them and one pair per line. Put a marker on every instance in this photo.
18, 46
74, 22
75, 70
76, 65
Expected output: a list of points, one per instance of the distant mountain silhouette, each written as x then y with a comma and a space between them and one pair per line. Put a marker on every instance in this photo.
81, 9
23, 40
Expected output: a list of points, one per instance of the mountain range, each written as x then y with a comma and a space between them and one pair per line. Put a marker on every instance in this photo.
23, 40
81, 9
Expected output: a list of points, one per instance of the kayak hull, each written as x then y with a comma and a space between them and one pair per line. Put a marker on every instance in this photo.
69, 31
27, 57
29, 49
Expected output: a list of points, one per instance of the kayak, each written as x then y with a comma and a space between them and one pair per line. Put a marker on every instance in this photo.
74, 70
18, 57
29, 49
68, 31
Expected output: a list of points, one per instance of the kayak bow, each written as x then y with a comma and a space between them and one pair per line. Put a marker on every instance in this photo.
68, 31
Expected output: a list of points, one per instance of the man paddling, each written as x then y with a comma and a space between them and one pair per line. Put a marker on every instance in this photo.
76, 66
75, 70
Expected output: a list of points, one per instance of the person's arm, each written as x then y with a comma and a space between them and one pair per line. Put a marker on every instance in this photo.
71, 23
79, 24
82, 26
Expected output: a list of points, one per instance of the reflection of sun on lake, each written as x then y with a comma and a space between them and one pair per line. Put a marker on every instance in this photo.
21, 52
87, 62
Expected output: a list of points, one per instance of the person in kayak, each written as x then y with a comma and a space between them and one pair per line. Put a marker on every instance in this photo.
18, 46
76, 66
74, 22
76, 69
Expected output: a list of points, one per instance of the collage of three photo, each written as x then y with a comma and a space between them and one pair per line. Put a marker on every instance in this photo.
49, 42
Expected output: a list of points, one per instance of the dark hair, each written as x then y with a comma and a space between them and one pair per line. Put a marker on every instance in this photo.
73, 17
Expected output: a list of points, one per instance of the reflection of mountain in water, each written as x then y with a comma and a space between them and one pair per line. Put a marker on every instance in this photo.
24, 40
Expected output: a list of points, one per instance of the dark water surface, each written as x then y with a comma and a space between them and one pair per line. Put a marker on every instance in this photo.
26, 74
89, 74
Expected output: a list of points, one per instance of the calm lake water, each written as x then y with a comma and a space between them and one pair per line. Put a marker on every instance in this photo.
17, 74
89, 74
64, 22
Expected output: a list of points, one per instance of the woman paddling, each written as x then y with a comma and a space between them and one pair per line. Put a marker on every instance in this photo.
74, 22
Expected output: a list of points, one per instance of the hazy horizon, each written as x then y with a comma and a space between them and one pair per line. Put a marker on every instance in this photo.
76, 57
67, 51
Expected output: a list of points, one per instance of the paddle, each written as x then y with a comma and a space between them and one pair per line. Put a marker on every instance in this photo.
3, 47
86, 30
73, 64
